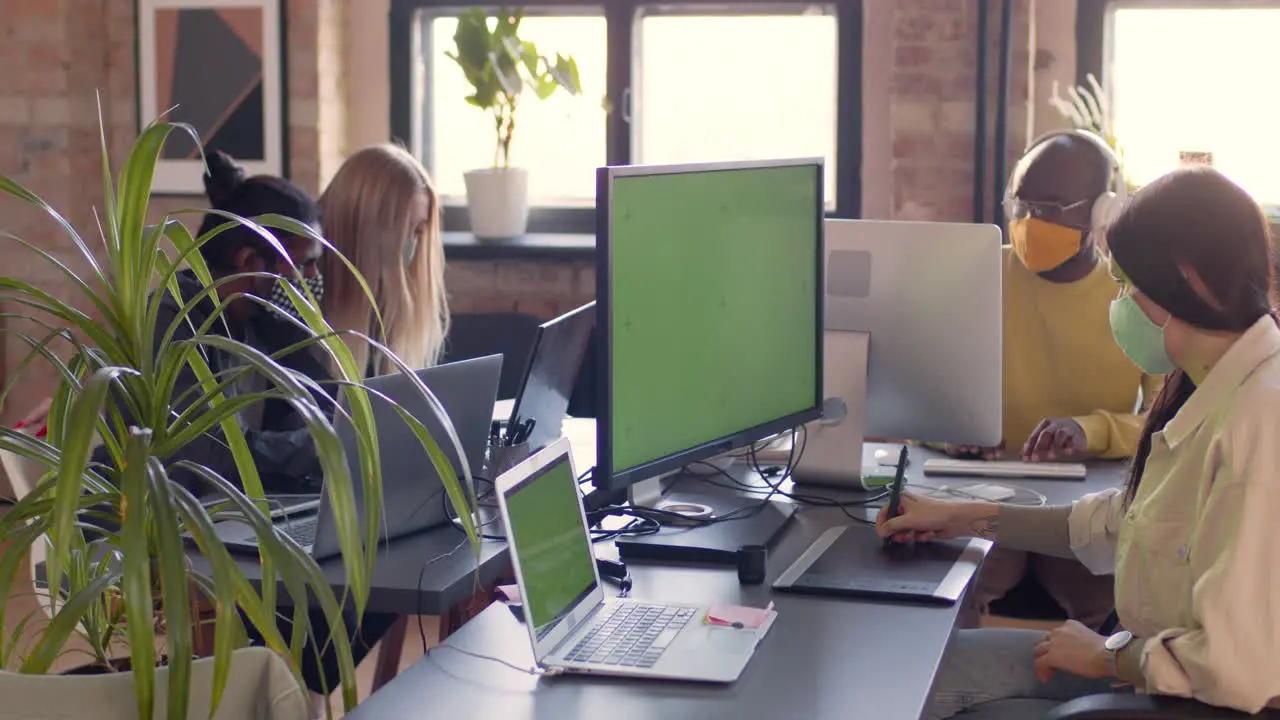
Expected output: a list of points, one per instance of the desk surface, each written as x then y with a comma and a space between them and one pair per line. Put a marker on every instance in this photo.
815, 658
871, 659
441, 557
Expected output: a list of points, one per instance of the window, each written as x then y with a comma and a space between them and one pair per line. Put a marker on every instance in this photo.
684, 82
560, 140
746, 87
1185, 87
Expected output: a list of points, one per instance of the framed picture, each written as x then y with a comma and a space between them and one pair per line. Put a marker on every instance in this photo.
218, 66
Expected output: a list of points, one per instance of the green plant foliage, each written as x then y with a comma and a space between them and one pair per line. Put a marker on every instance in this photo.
114, 533
500, 67
1087, 108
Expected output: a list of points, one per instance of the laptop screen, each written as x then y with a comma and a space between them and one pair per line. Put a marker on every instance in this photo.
550, 544
548, 385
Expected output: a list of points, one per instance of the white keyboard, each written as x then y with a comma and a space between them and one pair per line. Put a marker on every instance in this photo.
1004, 469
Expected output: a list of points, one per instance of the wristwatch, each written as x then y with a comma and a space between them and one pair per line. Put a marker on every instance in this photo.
1113, 645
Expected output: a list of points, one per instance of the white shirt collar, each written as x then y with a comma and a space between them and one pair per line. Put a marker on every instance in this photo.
1258, 344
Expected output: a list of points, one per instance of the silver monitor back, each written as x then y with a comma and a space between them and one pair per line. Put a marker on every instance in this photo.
929, 296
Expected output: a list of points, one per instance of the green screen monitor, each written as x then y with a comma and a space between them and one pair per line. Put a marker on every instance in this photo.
709, 299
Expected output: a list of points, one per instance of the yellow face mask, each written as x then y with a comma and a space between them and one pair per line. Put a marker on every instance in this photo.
1042, 245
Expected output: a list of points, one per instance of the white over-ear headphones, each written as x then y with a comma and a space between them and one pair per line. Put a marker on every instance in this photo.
1107, 205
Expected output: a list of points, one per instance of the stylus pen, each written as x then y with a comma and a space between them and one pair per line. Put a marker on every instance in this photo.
895, 491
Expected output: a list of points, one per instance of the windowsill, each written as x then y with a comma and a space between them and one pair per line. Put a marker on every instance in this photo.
533, 246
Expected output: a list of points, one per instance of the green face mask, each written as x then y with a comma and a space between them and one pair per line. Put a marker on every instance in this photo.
1140, 339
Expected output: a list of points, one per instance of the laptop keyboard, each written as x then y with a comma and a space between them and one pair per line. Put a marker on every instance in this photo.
302, 530
631, 635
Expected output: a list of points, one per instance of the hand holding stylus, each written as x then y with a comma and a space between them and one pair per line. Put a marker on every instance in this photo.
922, 519
894, 507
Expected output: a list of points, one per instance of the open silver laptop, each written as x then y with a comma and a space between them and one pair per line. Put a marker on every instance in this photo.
573, 626
413, 495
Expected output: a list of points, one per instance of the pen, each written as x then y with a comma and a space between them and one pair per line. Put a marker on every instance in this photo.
895, 491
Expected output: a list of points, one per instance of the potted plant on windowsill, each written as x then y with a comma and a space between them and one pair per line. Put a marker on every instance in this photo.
1088, 109
500, 67
116, 557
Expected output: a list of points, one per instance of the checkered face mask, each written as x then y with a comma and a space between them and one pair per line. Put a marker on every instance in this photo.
280, 299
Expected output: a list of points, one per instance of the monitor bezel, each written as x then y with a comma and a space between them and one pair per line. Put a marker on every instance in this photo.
604, 479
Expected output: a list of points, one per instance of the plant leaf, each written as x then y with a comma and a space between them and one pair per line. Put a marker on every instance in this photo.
76, 444
136, 583
62, 625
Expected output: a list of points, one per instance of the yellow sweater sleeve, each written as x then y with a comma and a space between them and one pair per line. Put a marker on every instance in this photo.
1113, 436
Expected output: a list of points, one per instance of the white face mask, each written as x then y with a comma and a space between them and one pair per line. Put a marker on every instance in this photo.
280, 299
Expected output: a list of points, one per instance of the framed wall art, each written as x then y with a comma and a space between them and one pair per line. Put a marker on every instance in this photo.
217, 65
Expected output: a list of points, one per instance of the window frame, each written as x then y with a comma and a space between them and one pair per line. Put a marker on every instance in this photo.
621, 16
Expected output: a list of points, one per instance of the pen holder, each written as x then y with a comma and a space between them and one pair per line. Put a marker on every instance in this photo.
501, 458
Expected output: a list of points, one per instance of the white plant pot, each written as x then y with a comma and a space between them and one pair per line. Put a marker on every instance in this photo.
498, 202
260, 686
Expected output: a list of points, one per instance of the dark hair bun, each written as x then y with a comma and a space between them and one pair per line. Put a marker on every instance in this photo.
223, 178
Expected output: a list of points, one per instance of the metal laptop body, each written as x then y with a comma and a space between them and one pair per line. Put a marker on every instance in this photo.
413, 496
565, 607
558, 351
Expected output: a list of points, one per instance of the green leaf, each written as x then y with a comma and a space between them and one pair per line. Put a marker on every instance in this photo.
11, 561
545, 87
76, 446
99, 303
471, 39
63, 624
175, 590
111, 234
565, 72
136, 579
507, 72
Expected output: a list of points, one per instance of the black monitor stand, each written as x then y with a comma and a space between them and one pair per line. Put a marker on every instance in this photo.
752, 520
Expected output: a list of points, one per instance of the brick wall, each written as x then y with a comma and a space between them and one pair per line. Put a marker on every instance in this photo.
541, 288
54, 56
932, 103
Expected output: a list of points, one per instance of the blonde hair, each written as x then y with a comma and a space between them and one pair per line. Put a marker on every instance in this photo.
367, 214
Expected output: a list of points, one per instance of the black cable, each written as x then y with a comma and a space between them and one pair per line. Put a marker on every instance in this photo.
803, 498
649, 520
422, 572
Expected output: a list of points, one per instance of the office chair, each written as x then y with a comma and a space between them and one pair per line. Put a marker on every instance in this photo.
473, 335
1135, 706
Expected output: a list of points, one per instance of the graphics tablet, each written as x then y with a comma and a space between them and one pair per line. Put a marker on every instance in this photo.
855, 562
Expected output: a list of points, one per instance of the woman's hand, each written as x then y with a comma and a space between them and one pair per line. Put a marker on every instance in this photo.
37, 418
924, 519
1072, 648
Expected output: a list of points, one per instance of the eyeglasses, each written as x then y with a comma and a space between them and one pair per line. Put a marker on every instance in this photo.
1017, 208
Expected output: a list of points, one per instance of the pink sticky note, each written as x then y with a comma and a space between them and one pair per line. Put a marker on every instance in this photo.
738, 615
511, 592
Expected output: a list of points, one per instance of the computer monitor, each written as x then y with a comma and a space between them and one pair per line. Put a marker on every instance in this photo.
914, 321
709, 311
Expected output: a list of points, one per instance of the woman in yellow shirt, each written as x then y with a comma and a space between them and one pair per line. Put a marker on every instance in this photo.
1191, 538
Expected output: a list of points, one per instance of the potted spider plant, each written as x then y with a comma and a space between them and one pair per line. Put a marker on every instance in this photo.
500, 67
121, 584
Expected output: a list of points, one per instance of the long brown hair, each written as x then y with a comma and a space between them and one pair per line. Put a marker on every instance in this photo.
367, 217
1193, 220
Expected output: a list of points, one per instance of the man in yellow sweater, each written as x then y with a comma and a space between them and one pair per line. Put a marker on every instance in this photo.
1069, 391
